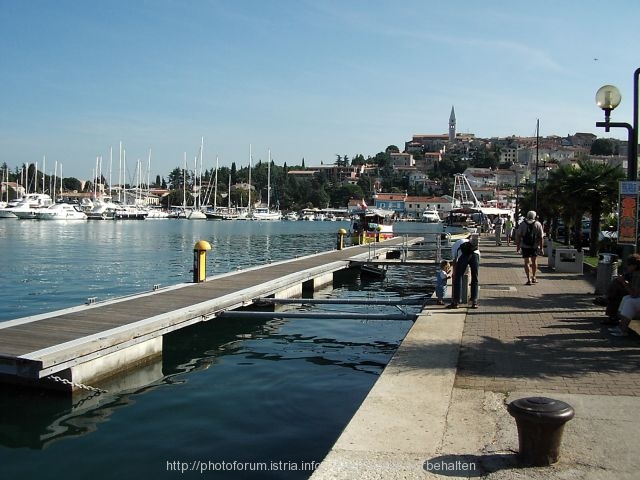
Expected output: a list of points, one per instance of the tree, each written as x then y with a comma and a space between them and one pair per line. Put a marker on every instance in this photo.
484, 158
599, 192
358, 160
602, 146
71, 184
591, 187
340, 196
175, 178
563, 188
234, 173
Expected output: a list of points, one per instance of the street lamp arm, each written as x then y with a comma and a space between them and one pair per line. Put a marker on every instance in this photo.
632, 157
608, 125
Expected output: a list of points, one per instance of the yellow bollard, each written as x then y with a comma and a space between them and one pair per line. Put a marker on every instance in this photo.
341, 233
200, 261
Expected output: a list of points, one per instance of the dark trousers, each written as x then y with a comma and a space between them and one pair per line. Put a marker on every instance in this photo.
617, 289
473, 262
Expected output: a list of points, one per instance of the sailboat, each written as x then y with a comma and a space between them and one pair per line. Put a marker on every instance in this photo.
265, 213
31, 203
6, 206
222, 213
196, 213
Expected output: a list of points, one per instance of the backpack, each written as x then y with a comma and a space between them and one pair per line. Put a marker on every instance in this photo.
529, 237
467, 248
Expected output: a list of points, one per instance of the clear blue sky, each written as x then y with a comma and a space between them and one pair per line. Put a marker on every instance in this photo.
306, 79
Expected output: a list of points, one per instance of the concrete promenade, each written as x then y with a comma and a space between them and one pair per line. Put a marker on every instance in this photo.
439, 408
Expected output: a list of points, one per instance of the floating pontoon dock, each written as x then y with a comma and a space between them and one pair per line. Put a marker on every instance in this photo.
84, 344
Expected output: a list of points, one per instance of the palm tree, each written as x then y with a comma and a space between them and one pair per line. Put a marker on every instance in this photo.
590, 187
599, 192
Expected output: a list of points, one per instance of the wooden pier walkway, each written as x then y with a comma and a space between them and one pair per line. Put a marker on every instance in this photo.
85, 343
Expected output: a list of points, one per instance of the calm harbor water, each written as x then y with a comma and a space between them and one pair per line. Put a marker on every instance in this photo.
271, 393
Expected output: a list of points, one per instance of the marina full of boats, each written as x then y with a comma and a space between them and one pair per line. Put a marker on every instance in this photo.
367, 224
40, 206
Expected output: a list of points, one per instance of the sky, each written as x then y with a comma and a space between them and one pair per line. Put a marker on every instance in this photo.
305, 79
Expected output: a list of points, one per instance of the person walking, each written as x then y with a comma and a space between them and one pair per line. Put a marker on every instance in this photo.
464, 253
508, 226
487, 226
529, 237
497, 228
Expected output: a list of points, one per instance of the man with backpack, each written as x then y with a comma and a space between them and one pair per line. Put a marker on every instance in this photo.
529, 236
464, 253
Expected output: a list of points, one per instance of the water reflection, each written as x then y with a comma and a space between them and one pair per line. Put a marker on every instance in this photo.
35, 419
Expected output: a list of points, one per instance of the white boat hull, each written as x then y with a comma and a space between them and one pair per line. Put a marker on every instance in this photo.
196, 215
266, 214
60, 211
7, 213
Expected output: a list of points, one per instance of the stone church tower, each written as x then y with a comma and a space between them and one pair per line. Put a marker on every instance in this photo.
452, 125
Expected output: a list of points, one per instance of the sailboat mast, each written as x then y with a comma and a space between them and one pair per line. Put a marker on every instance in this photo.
184, 183
269, 182
195, 182
100, 174
201, 168
124, 175
120, 174
138, 181
215, 187
55, 178
249, 204
110, 166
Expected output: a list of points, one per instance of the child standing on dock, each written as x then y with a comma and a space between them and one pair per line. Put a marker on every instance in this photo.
441, 280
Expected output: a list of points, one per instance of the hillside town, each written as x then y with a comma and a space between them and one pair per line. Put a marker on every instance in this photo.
418, 178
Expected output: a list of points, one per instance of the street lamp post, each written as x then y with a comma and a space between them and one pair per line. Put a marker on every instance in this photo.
608, 98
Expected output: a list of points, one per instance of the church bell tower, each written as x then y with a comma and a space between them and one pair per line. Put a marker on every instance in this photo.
452, 125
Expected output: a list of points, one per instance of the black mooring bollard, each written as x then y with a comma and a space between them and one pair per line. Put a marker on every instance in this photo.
540, 422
